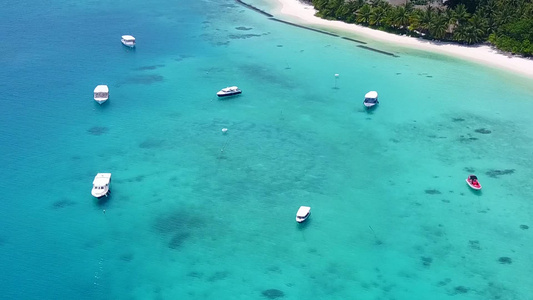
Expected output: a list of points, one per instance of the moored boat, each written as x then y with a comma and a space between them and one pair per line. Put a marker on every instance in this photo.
371, 99
229, 91
303, 213
473, 182
128, 40
101, 93
101, 184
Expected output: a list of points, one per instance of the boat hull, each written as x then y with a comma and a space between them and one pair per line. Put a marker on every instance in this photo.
221, 95
98, 195
301, 220
100, 101
369, 105
128, 44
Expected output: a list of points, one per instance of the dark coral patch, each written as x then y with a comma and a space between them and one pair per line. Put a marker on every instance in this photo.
457, 119
145, 79
432, 192
444, 282
273, 293
524, 227
151, 144
496, 173
243, 28
426, 261
243, 36
482, 131
126, 257
460, 290
474, 245
178, 239
145, 68
62, 203
98, 130
504, 260
221, 275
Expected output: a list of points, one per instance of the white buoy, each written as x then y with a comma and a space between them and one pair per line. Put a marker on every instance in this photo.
336, 77
224, 130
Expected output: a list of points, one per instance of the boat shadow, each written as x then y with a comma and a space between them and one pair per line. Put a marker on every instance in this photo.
104, 201
476, 192
302, 226
128, 49
370, 110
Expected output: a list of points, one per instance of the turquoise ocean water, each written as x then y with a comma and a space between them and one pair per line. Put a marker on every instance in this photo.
195, 214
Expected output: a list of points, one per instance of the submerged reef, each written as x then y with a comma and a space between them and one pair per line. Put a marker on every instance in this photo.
98, 130
504, 260
495, 173
273, 293
432, 192
62, 203
483, 131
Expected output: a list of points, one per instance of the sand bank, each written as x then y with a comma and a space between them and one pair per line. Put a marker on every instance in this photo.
305, 14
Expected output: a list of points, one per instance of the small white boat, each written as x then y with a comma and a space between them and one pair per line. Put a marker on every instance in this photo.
101, 93
303, 213
371, 99
229, 91
128, 41
101, 184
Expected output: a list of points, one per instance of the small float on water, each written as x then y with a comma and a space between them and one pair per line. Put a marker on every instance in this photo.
473, 182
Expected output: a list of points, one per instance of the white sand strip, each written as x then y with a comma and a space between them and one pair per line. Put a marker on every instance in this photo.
305, 15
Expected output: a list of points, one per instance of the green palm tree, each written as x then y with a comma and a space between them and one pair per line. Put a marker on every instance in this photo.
363, 14
426, 18
414, 20
377, 16
401, 17
460, 33
479, 27
460, 13
438, 26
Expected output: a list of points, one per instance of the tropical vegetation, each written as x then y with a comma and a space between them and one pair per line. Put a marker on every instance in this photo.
507, 24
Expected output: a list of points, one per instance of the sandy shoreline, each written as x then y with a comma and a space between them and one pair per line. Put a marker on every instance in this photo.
305, 14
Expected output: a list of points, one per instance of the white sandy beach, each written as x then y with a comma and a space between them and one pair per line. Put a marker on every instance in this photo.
305, 14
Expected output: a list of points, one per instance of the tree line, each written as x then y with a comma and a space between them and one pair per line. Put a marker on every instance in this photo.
507, 24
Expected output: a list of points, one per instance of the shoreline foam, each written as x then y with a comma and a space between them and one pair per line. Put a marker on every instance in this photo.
305, 14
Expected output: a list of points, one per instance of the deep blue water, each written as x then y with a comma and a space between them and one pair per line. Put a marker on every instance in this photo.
196, 214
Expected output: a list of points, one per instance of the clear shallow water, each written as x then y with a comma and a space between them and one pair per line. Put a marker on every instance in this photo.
392, 215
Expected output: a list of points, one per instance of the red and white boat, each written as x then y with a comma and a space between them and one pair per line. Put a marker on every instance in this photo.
473, 182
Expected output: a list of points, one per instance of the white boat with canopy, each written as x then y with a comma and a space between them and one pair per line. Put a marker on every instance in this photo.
371, 99
101, 184
229, 91
128, 41
303, 213
101, 93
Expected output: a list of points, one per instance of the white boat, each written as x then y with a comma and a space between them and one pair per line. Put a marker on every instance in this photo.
303, 213
101, 93
101, 184
128, 41
371, 99
229, 91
